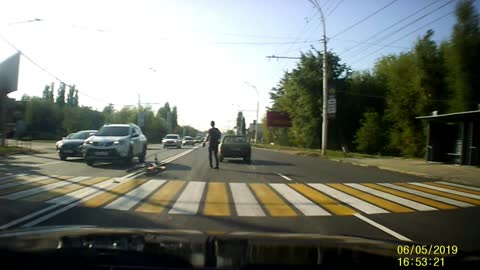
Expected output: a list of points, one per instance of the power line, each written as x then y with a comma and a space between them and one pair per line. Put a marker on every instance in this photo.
369, 43
44, 69
404, 36
392, 25
364, 19
333, 9
356, 53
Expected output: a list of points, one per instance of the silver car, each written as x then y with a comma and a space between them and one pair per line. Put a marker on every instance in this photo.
172, 140
116, 142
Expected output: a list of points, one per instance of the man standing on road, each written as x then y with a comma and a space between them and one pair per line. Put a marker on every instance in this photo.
213, 138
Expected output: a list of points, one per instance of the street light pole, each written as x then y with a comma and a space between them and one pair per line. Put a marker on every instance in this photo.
256, 121
325, 83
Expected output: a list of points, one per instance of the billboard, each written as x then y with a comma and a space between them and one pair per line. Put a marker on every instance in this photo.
278, 120
9, 73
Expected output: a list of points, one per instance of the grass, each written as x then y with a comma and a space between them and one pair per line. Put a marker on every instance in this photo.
314, 152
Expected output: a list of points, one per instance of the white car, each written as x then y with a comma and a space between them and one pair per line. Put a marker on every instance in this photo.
116, 142
172, 140
187, 140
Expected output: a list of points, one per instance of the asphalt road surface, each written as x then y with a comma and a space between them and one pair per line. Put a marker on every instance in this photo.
277, 192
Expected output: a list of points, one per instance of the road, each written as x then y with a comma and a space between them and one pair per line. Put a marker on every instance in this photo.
277, 192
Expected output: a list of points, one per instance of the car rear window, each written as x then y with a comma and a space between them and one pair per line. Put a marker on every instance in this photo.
234, 140
81, 135
171, 137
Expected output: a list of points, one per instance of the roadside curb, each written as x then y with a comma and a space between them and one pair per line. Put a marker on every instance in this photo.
424, 175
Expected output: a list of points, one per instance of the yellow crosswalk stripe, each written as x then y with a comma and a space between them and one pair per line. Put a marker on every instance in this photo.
161, 198
33, 185
388, 205
216, 203
429, 202
454, 188
325, 201
110, 195
440, 193
273, 203
45, 196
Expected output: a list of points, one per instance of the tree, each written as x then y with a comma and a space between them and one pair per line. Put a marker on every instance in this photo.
61, 95
369, 137
47, 94
174, 119
71, 97
431, 72
230, 132
462, 57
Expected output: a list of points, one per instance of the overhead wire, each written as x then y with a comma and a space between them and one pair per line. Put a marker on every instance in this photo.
364, 19
404, 36
333, 9
396, 31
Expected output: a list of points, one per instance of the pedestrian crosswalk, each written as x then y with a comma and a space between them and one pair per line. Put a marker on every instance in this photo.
234, 199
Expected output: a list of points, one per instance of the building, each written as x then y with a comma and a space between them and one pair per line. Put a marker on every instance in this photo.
453, 137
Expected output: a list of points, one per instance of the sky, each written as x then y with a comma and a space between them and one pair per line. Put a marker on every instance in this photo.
203, 56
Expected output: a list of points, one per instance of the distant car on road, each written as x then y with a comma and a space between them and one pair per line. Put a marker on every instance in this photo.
72, 145
116, 142
187, 140
232, 146
172, 140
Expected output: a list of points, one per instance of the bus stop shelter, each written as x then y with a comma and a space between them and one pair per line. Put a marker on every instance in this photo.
453, 137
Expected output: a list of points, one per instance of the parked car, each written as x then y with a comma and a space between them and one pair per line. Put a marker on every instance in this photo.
116, 142
232, 146
172, 140
187, 140
72, 144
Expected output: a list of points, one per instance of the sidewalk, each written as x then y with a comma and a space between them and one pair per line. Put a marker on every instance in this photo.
467, 175
38, 146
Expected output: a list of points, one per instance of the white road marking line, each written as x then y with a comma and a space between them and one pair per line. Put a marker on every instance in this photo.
307, 207
473, 196
284, 177
427, 195
63, 209
393, 198
189, 201
383, 228
76, 195
27, 217
459, 185
170, 159
129, 200
354, 202
245, 203
7, 177
50, 163
23, 182
33, 191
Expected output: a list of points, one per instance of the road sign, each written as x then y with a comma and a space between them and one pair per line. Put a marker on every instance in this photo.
331, 105
278, 119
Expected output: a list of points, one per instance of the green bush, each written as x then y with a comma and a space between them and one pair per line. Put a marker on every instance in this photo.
369, 137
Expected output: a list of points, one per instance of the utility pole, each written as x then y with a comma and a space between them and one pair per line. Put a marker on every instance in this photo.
325, 78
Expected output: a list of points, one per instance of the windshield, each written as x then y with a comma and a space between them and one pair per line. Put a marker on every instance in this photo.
334, 117
113, 131
81, 135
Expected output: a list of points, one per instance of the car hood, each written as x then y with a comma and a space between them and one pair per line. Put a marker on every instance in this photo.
108, 138
214, 249
72, 141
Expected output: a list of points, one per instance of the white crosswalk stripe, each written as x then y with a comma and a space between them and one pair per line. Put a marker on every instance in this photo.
464, 194
23, 182
8, 177
133, 197
459, 185
307, 207
33, 191
427, 195
393, 198
354, 202
245, 203
189, 201
81, 193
